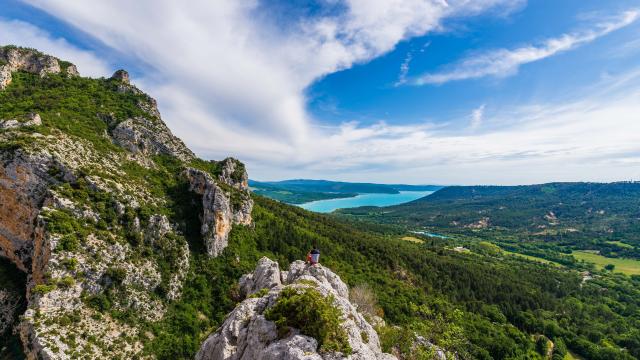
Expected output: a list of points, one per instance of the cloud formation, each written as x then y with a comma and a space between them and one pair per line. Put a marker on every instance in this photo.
505, 62
226, 74
231, 81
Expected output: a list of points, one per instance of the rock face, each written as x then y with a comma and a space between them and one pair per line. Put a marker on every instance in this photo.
31, 61
24, 180
218, 211
247, 335
149, 137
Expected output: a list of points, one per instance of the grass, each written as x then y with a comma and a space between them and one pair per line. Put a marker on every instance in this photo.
625, 266
571, 356
620, 244
532, 258
413, 239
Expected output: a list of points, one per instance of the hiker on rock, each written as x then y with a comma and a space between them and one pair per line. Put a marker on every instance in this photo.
313, 257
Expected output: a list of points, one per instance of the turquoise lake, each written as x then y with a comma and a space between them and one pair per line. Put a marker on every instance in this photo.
325, 206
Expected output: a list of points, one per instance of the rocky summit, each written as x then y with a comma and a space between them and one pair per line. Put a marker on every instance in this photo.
249, 332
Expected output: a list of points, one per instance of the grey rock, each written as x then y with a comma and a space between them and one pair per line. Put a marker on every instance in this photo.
121, 76
149, 137
32, 119
158, 227
234, 174
246, 334
265, 276
18, 59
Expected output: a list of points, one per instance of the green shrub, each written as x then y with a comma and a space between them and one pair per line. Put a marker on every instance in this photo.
71, 263
66, 282
117, 275
313, 314
43, 288
260, 293
68, 242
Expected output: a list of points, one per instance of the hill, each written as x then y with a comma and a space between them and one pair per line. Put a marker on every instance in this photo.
301, 191
121, 243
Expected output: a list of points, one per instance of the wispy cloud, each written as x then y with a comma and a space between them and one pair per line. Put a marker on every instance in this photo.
404, 66
404, 69
477, 116
506, 62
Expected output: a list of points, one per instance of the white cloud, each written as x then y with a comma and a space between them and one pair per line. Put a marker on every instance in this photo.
230, 83
404, 69
230, 79
504, 62
14, 32
477, 116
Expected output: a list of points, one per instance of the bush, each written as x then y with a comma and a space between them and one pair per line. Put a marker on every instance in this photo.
313, 314
66, 282
365, 299
43, 289
68, 242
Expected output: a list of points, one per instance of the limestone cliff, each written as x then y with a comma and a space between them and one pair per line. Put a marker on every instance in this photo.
95, 205
17, 59
248, 334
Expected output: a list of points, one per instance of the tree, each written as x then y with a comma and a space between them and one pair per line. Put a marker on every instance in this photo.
609, 267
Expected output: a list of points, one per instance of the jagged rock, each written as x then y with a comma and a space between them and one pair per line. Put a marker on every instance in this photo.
158, 227
247, 335
31, 61
266, 276
234, 174
149, 137
121, 76
32, 119
217, 215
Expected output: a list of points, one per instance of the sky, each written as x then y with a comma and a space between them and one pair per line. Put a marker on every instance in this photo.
388, 91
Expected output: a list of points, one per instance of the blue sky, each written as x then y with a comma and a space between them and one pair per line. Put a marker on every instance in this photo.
413, 91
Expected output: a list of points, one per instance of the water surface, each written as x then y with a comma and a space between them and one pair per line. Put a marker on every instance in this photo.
329, 205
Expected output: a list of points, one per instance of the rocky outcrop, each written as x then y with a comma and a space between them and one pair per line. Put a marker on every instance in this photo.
32, 119
218, 210
234, 174
141, 135
247, 335
28, 60
121, 76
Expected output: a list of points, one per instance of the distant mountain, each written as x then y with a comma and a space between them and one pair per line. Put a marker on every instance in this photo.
300, 191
